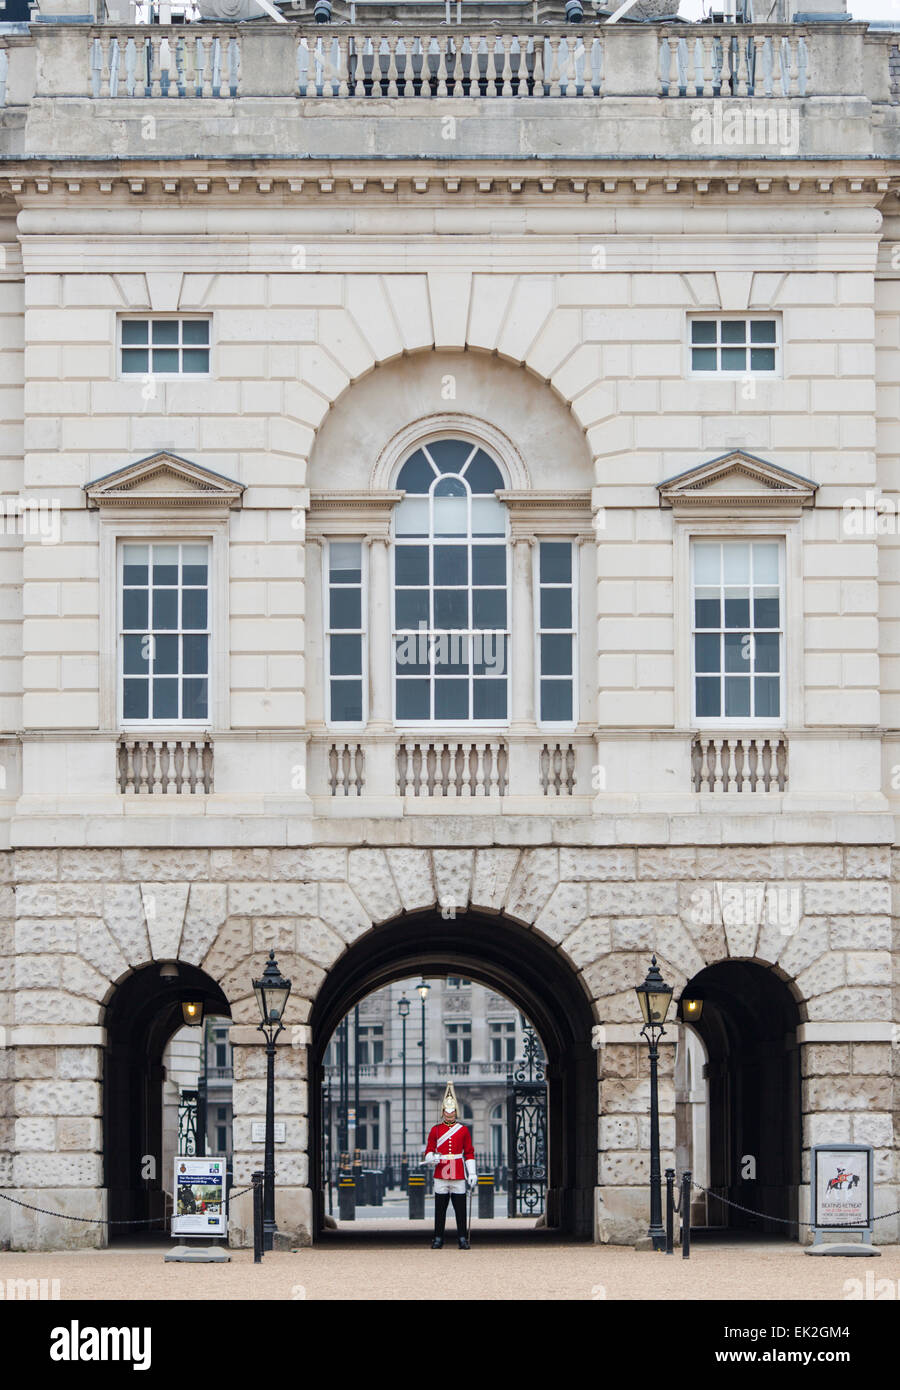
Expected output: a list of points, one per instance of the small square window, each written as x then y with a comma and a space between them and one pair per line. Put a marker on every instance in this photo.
165, 347
734, 346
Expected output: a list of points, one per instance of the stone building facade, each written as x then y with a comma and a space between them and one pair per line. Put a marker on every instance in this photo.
676, 355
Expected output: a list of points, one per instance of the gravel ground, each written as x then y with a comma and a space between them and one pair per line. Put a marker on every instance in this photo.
386, 1264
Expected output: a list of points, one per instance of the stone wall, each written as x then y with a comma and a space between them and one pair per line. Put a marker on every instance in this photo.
84, 919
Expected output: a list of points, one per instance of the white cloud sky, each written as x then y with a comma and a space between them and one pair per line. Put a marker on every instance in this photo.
859, 9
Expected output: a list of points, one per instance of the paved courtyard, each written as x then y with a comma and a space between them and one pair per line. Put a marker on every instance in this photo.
385, 1264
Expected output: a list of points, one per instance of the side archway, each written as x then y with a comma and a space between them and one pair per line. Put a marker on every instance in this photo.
537, 978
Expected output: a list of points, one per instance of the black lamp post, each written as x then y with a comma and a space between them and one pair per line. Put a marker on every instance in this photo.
403, 1011
271, 995
423, 991
654, 997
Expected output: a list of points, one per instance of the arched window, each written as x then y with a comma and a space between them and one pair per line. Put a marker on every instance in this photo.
451, 601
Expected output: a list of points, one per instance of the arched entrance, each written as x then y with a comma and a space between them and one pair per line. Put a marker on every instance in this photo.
143, 1012
748, 1027
537, 978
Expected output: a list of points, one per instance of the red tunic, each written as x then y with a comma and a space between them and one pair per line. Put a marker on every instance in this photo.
452, 1144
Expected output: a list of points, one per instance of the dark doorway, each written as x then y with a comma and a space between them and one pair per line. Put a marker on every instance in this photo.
748, 1027
143, 1013
528, 970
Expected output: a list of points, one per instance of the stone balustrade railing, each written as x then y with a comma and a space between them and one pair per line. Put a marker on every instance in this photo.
213, 61
739, 762
164, 766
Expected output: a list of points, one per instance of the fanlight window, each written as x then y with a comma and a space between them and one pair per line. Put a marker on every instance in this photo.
451, 601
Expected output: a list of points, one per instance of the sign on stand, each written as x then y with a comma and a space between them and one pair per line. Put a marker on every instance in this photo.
199, 1197
842, 1189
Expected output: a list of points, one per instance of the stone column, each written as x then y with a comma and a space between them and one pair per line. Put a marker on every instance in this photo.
523, 751
380, 753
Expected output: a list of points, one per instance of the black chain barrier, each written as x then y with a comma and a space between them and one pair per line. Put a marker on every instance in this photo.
788, 1220
100, 1221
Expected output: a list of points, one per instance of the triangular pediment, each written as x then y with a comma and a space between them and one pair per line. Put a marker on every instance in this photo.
163, 480
734, 481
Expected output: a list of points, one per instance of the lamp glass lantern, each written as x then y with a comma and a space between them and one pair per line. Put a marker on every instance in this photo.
423, 990
192, 1012
403, 1007
271, 993
654, 997
691, 1009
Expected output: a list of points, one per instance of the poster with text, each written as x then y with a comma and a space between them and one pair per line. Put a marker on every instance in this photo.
199, 1197
842, 1187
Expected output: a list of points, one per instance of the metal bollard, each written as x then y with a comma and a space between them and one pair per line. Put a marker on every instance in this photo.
670, 1210
485, 1196
346, 1198
404, 1172
417, 1196
686, 1214
257, 1180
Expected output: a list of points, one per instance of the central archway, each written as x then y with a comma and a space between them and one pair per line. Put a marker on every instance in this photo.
537, 978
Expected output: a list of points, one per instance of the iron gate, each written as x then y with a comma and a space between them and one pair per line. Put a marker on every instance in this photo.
526, 1118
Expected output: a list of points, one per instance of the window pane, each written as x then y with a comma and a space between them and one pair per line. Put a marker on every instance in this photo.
135, 560
488, 517
490, 654
135, 697
410, 609
450, 516
489, 608
134, 330
195, 360
556, 655
708, 698
556, 608
766, 651
411, 564
766, 608
165, 564
134, 609
703, 359
165, 699
737, 697
451, 564
346, 702
483, 475
449, 454
451, 608
556, 562
412, 699
411, 655
556, 701
765, 563
193, 608
767, 696
738, 647
134, 656
345, 607
165, 331
135, 360
195, 331
451, 699
737, 563
195, 655
707, 611
703, 331
489, 699
346, 656
165, 655
416, 475
450, 655
762, 359
488, 564
734, 359
194, 702
737, 608
411, 517
194, 560
345, 562
706, 653
707, 563
165, 360
762, 331
734, 331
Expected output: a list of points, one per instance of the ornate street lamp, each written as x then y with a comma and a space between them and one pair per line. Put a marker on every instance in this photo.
654, 997
403, 1011
271, 995
423, 990
192, 1012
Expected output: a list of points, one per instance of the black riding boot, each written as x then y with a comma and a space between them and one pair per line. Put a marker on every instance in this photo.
459, 1211
441, 1203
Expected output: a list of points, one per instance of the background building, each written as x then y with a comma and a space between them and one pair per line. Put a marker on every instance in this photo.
450, 508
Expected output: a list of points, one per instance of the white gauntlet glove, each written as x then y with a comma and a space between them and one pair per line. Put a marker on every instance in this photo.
471, 1175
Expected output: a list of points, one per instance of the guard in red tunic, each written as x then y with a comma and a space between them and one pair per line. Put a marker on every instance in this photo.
449, 1150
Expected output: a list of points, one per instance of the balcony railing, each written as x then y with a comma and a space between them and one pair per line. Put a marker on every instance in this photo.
745, 763
164, 766
427, 60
